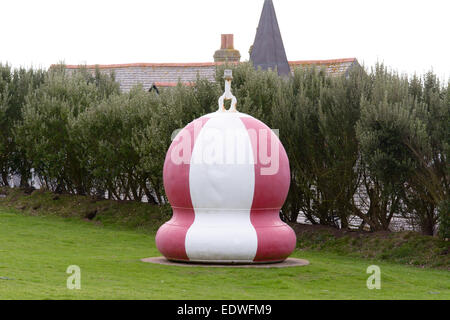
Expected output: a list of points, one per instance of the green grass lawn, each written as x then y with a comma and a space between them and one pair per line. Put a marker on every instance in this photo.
36, 251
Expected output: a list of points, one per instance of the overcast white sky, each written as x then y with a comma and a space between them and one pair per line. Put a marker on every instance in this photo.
408, 35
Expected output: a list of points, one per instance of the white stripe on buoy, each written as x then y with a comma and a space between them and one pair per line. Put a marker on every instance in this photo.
222, 230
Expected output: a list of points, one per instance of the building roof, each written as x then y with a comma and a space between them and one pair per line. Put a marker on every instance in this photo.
268, 49
169, 74
332, 66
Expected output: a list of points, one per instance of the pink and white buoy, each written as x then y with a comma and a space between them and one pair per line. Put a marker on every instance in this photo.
226, 176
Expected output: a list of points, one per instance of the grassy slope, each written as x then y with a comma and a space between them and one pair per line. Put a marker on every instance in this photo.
405, 248
36, 251
408, 248
125, 214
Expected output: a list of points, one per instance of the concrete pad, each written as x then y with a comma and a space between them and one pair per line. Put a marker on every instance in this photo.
288, 263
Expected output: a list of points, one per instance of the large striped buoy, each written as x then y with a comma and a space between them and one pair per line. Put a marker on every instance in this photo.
226, 176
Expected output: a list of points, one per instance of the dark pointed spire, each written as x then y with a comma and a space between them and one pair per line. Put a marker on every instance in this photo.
268, 49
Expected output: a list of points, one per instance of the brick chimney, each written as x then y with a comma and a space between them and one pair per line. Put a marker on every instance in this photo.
227, 53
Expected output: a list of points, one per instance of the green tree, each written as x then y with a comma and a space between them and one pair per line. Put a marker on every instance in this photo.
402, 133
45, 134
15, 86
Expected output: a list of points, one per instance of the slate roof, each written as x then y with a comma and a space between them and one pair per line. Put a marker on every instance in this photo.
168, 74
268, 49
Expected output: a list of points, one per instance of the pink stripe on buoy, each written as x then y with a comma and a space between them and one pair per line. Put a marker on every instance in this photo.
170, 238
276, 240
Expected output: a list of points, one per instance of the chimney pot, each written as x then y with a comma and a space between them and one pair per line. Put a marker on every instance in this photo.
227, 53
227, 41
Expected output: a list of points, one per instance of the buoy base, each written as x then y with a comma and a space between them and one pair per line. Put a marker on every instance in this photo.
290, 262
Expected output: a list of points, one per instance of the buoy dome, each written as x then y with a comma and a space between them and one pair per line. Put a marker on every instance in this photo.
226, 176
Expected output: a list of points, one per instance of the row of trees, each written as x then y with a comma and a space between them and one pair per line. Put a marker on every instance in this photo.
367, 145
370, 146
79, 134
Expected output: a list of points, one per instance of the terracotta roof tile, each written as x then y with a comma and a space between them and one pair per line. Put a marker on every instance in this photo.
144, 65
319, 62
171, 84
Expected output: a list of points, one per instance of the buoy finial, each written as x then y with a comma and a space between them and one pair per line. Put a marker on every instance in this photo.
228, 76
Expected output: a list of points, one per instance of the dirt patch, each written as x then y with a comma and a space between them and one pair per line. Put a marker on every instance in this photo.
304, 229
